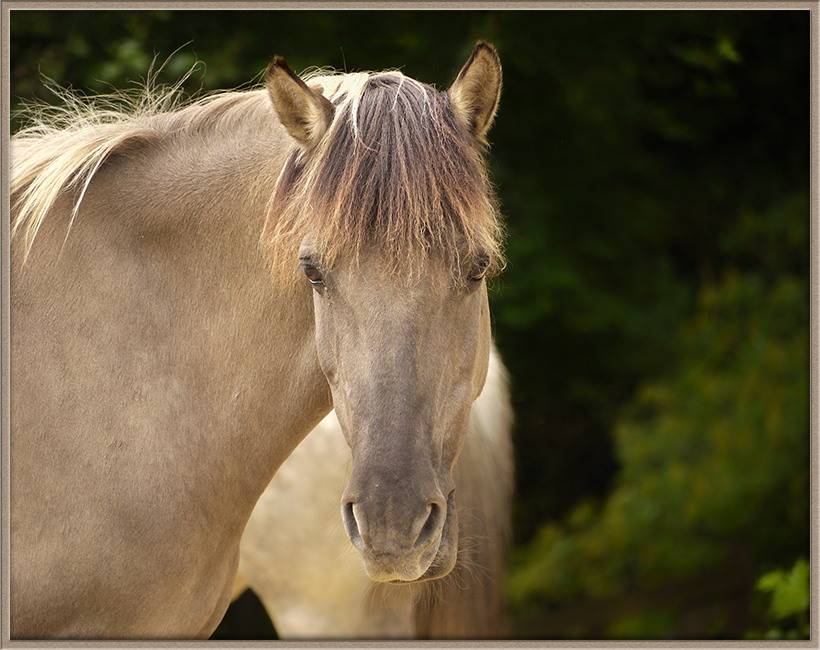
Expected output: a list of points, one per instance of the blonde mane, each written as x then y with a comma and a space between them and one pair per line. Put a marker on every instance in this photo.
62, 147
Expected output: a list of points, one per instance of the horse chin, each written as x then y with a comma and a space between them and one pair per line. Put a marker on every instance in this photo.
446, 556
440, 567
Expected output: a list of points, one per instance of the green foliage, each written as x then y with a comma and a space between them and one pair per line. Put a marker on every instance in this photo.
790, 591
633, 170
713, 455
789, 598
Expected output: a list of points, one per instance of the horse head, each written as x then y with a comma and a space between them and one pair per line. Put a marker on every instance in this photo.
385, 212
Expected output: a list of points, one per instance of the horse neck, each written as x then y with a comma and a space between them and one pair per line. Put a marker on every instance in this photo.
263, 368
171, 229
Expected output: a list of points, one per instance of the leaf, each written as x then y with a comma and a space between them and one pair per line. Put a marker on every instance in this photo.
790, 591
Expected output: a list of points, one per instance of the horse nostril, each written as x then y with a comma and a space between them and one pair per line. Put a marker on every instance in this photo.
351, 525
431, 527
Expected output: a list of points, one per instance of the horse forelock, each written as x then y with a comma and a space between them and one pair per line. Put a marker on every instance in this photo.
394, 171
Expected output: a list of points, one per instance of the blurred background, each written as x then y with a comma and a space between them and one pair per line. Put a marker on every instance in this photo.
653, 167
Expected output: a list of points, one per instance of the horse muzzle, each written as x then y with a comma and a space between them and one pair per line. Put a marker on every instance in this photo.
399, 541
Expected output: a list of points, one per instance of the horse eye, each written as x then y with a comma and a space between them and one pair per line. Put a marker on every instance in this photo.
479, 270
313, 274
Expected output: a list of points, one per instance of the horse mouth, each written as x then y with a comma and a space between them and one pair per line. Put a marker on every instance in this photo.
432, 573
442, 563
446, 554
402, 565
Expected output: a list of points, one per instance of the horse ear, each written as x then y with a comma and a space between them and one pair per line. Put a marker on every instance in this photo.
305, 113
475, 92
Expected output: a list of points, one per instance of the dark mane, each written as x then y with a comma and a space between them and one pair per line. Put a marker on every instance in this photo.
395, 170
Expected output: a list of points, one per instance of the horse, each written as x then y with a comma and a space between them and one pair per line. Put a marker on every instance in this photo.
295, 556
193, 288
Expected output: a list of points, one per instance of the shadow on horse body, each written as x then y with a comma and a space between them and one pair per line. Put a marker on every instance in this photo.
192, 291
297, 559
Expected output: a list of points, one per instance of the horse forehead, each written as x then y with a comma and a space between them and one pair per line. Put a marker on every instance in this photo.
410, 291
